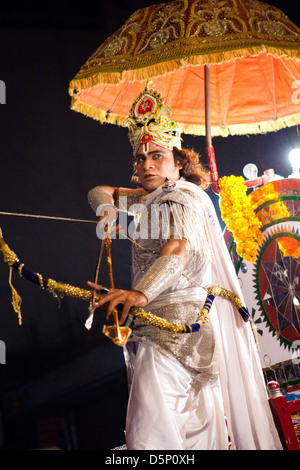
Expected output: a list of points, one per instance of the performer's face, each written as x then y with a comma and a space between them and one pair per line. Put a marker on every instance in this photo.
154, 164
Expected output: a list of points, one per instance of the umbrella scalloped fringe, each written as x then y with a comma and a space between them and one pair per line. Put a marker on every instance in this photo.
235, 129
93, 76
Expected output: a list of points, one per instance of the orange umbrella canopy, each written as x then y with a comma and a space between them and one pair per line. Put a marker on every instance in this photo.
253, 53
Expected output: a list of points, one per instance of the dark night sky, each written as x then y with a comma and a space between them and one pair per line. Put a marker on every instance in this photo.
50, 158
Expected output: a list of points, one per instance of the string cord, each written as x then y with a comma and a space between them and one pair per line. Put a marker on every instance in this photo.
35, 216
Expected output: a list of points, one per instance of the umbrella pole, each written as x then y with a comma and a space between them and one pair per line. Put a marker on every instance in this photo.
210, 152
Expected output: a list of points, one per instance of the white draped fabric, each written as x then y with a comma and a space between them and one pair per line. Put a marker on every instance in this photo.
168, 411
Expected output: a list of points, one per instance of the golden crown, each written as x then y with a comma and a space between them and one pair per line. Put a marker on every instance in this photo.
149, 121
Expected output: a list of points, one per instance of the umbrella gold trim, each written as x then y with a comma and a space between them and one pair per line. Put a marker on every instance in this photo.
235, 129
145, 68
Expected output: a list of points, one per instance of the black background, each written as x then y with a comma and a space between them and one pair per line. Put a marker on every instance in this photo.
50, 158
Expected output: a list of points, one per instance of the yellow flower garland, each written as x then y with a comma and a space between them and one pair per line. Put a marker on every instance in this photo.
238, 212
239, 216
276, 210
289, 246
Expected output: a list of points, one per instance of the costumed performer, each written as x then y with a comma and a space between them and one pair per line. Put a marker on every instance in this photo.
182, 386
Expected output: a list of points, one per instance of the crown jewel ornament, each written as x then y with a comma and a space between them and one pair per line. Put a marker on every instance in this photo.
149, 121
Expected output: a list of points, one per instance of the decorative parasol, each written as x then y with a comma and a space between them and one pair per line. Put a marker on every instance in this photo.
225, 67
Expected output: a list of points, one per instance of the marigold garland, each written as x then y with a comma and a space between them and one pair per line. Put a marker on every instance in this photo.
239, 212
289, 247
274, 211
263, 194
239, 216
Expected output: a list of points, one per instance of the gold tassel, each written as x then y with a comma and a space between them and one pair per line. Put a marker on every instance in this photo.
16, 299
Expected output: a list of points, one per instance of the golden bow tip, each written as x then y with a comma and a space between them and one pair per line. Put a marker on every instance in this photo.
118, 336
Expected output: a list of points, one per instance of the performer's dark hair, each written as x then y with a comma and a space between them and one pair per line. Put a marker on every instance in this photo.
192, 169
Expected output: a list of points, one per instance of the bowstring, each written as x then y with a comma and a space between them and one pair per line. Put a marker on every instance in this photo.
68, 219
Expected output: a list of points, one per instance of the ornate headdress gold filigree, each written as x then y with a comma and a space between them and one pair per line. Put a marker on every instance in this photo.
149, 121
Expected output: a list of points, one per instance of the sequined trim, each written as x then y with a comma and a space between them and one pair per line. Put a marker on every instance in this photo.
197, 352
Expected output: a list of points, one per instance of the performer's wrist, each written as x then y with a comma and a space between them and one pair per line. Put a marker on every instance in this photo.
142, 297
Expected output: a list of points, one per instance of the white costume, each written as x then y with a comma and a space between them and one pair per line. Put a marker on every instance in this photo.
182, 386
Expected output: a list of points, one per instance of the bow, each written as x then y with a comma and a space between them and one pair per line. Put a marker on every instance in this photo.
117, 334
